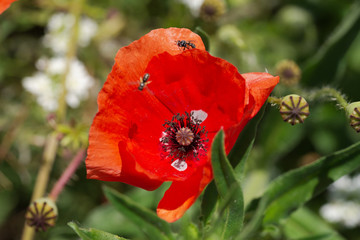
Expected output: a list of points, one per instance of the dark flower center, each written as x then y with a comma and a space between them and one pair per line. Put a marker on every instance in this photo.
183, 138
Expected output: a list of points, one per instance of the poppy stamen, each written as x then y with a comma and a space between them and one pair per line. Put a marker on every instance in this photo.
184, 138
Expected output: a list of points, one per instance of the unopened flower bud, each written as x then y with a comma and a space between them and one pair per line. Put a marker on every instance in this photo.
41, 214
354, 114
289, 72
294, 109
211, 10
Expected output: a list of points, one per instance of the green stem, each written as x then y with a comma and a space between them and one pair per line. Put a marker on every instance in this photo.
52, 143
274, 100
328, 92
76, 10
325, 92
42, 178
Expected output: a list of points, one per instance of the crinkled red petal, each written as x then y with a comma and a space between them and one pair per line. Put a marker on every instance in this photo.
259, 85
181, 195
118, 132
127, 117
132, 60
190, 81
5, 4
258, 88
196, 80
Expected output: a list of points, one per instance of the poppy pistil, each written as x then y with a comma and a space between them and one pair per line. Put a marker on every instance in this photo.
183, 138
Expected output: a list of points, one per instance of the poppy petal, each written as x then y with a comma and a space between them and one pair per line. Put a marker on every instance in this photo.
132, 60
5, 4
258, 88
120, 129
259, 85
191, 81
124, 111
196, 80
181, 195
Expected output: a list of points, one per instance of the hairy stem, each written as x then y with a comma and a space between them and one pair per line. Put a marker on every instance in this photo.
42, 177
51, 148
65, 177
328, 92
76, 10
274, 100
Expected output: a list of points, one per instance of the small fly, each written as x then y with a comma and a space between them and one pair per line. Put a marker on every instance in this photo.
185, 44
144, 81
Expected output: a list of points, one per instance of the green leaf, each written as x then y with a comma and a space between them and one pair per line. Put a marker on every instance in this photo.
148, 221
115, 223
93, 234
304, 224
237, 157
204, 37
284, 138
208, 202
317, 237
292, 189
228, 187
322, 68
244, 144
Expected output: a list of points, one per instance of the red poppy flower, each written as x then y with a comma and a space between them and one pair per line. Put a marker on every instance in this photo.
4, 4
159, 110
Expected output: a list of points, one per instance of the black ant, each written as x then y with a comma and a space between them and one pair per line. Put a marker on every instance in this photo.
185, 44
143, 81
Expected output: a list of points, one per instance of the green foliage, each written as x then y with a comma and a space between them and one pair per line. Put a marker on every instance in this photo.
148, 222
303, 224
261, 190
323, 67
92, 234
291, 190
204, 37
228, 188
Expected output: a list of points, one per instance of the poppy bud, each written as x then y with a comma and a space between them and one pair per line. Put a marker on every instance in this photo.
289, 72
353, 111
294, 109
41, 214
211, 10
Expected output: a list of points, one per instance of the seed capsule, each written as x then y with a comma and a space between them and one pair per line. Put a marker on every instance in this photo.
212, 10
41, 214
354, 114
289, 72
294, 109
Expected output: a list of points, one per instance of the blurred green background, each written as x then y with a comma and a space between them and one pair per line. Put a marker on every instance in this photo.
322, 37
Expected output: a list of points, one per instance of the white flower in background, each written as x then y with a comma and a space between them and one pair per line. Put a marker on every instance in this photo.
41, 86
58, 32
87, 31
193, 5
346, 188
346, 213
45, 84
344, 202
